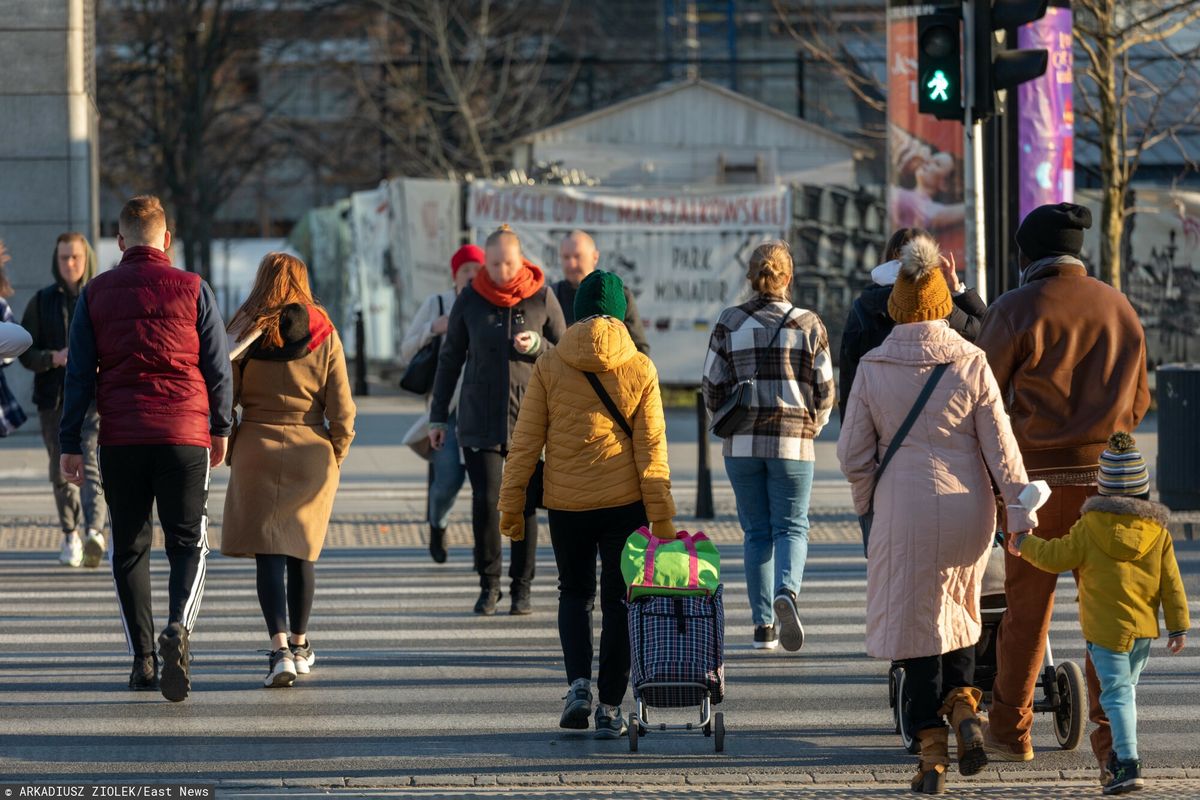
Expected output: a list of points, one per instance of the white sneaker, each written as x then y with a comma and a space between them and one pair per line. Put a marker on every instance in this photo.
71, 554
93, 549
281, 669
303, 656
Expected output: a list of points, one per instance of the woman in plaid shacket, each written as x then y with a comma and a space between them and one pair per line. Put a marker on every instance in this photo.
769, 458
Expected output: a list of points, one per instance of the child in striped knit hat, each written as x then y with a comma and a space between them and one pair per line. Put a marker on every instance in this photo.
1126, 566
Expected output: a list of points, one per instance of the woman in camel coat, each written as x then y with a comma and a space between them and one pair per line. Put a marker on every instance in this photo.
296, 425
934, 510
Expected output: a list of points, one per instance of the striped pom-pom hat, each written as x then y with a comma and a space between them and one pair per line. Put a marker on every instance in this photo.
1122, 468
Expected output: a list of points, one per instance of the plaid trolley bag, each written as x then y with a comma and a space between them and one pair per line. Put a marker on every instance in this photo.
676, 631
677, 641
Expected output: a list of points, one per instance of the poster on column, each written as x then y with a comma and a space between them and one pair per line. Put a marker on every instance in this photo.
683, 254
425, 232
925, 155
373, 290
1045, 116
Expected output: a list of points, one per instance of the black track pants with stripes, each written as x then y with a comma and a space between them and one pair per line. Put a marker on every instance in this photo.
135, 478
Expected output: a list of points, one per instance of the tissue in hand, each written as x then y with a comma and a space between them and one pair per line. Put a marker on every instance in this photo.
1034, 495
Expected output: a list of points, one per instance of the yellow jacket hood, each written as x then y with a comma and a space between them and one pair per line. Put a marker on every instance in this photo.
597, 344
1124, 528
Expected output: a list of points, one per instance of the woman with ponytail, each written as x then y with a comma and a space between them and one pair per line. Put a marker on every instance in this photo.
769, 458
297, 422
499, 326
934, 514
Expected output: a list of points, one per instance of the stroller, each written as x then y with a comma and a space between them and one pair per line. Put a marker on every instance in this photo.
676, 634
1064, 692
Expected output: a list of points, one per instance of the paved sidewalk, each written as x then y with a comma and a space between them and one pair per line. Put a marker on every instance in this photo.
845, 786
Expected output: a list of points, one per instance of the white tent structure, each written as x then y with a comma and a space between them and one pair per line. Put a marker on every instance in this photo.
694, 133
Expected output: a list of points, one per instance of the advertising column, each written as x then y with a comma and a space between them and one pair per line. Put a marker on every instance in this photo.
925, 155
1045, 117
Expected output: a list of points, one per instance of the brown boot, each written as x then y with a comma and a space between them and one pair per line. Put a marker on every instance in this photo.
962, 709
935, 757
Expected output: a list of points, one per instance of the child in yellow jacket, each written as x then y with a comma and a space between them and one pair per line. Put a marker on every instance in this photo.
1126, 566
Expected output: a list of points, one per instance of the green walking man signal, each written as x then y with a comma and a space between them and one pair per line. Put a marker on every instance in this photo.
937, 86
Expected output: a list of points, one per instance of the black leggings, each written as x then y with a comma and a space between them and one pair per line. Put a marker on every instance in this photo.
928, 680
295, 601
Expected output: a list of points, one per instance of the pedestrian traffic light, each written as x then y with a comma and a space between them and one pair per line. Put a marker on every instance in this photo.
998, 69
939, 65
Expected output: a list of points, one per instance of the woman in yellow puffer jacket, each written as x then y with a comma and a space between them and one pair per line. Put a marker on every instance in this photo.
606, 474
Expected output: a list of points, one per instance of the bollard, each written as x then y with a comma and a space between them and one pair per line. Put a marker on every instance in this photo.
704, 495
360, 356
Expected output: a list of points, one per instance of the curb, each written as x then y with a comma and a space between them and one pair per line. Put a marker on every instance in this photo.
603, 780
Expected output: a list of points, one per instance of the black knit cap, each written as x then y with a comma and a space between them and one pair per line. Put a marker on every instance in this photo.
1053, 230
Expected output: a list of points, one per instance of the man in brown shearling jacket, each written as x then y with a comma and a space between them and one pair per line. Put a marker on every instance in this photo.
1069, 354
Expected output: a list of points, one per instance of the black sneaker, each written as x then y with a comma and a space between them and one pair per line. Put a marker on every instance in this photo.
303, 656
609, 722
486, 604
173, 647
281, 669
1126, 776
437, 544
791, 632
144, 676
766, 637
578, 709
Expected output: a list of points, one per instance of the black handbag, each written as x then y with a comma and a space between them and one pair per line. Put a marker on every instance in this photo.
865, 520
734, 411
422, 369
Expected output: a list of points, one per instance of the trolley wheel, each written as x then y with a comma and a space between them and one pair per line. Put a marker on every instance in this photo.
1070, 716
635, 727
900, 712
893, 696
719, 732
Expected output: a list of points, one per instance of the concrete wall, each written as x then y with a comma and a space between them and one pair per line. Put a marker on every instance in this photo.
48, 124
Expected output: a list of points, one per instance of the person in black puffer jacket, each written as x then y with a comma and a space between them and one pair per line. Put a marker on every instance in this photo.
499, 326
868, 323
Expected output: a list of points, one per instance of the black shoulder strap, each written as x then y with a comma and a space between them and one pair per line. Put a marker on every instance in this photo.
774, 338
613, 411
441, 307
909, 421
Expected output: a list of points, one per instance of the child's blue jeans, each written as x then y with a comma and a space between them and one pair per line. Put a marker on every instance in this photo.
1118, 674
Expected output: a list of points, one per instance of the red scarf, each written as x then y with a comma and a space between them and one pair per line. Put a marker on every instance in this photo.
528, 282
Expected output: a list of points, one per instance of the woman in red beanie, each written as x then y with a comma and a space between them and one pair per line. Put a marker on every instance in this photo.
447, 472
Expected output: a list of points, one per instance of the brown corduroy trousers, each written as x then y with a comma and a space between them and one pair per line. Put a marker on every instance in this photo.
1021, 639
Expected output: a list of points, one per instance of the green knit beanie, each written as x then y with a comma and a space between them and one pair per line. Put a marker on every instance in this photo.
600, 293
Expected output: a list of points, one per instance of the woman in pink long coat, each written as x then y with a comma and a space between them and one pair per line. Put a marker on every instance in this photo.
934, 510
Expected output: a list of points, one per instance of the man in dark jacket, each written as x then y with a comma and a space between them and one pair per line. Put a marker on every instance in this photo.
48, 319
1069, 354
148, 345
869, 322
579, 257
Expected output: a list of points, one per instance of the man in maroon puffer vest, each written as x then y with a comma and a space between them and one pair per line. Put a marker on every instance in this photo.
148, 344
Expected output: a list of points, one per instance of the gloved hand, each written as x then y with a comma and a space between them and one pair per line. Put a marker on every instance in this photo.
663, 529
512, 526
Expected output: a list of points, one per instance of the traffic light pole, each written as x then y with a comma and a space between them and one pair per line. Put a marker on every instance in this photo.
975, 182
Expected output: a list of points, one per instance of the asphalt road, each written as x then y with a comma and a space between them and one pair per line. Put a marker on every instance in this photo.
411, 687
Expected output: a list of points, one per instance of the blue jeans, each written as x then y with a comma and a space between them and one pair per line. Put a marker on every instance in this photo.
448, 474
1118, 674
772, 501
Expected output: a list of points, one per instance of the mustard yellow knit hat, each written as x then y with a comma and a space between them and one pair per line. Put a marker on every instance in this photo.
920, 293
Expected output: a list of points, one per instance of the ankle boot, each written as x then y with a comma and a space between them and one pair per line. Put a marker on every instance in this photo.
935, 757
961, 707
437, 544
486, 604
